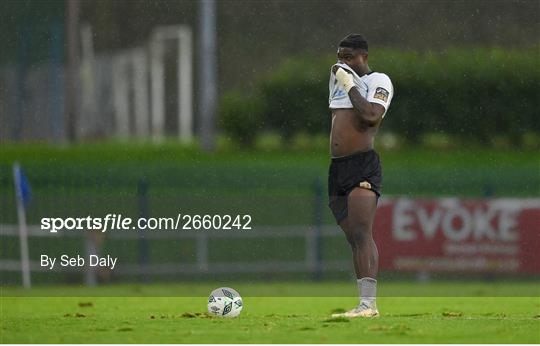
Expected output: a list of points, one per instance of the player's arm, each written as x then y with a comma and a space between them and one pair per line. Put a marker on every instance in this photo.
370, 113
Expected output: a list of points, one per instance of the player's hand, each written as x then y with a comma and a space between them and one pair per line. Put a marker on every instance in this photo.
344, 78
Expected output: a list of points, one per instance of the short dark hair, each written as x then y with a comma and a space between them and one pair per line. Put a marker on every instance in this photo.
354, 41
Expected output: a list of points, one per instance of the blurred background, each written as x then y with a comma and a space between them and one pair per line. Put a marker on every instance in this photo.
154, 108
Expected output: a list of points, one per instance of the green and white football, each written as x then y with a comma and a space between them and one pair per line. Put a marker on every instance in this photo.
225, 302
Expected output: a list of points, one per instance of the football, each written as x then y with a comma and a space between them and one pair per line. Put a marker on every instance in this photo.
225, 302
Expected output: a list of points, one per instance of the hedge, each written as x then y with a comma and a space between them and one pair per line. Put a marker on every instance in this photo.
470, 94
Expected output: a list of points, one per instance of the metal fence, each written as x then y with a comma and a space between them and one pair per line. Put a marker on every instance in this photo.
311, 263
124, 94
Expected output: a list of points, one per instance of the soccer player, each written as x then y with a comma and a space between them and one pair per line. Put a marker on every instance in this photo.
359, 99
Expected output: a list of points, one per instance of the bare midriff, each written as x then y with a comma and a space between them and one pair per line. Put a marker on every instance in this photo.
349, 134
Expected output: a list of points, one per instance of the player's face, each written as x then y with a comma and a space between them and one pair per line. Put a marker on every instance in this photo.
352, 57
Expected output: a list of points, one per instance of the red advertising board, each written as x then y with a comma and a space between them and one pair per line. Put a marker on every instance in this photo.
451, 234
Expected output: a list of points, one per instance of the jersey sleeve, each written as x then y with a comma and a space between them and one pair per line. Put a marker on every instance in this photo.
380, 90
331, 87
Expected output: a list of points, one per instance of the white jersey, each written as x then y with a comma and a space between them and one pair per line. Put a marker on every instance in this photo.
375, 87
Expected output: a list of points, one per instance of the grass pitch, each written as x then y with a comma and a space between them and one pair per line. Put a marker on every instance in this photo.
300, 319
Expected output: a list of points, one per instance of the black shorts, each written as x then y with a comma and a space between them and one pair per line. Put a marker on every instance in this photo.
361, 169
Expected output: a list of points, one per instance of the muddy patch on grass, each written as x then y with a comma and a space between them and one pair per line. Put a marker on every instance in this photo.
306, 328
410, 315
494, 314
75, 315
452, 314
337, 320
195, 315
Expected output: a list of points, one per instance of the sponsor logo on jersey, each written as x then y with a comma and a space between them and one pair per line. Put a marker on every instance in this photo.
381, 94
338, 93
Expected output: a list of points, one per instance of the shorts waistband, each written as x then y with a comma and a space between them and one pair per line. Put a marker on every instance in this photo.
353, 155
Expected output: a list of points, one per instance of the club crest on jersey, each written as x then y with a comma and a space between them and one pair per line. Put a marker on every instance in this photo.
381, 94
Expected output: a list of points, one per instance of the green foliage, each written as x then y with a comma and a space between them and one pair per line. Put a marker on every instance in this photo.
296, 96
240, 116
470, 95
64, 173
